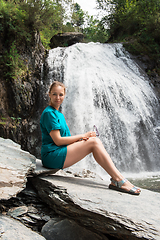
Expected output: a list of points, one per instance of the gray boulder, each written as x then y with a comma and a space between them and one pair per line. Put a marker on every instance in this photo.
15, 165
66, 230
66, 39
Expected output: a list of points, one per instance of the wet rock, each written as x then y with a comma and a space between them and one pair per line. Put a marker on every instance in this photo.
15, 165
13, 229
67, 230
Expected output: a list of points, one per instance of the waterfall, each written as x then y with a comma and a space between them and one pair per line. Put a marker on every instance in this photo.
106, 88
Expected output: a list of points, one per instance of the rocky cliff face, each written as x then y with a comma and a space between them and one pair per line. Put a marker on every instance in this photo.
20, 99
149, 67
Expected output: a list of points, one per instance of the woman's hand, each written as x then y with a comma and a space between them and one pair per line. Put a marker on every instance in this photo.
58, 140
89, 135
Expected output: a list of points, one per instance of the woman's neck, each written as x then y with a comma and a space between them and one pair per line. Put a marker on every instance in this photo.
54, 107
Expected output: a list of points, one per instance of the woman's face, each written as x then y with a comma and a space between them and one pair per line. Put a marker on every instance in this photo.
56, 95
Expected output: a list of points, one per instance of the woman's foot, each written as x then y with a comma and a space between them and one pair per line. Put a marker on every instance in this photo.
124, 186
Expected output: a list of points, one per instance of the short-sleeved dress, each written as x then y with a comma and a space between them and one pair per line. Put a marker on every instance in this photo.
53, 156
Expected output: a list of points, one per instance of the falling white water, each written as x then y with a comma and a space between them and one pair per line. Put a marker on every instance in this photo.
106, 87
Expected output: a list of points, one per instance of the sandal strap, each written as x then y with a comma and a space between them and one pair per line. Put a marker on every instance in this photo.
134, 189
120, 183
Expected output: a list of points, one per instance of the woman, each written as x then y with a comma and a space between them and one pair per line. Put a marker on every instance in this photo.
61, 150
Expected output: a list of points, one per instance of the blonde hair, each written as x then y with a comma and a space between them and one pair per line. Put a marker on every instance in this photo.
54, 84
57, 83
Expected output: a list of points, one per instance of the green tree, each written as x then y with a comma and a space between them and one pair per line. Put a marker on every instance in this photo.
19, 21
130, 16
42, 13
95, 30
77, 16
138, 20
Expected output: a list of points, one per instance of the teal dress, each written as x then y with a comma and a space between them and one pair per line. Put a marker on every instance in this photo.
53, 156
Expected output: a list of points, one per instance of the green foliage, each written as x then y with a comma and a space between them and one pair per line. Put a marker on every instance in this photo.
16, 120
77, 16
13, 65
42, 13
53, 24
19, 20
95, 31
2, 123
12, 22
68, 27
3, 120
136, 20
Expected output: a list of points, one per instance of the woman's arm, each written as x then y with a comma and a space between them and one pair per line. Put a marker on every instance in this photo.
58, 140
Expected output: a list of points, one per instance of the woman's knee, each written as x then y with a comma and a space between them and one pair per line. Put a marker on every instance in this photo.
95, 142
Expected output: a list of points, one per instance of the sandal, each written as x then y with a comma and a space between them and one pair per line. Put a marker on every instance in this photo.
119, 184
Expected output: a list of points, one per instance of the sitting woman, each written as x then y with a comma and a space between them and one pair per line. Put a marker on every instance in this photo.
61, 150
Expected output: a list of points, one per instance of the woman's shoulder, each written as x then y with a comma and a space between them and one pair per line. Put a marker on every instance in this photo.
51, 111
48, 109
47, 114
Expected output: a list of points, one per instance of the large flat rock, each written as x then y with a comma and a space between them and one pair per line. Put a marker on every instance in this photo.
15, 165
92, 204
85, 198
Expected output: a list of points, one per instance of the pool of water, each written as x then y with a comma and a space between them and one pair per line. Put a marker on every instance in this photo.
152, 184
150, 181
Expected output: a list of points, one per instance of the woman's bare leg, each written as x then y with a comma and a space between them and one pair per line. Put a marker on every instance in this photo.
78, 150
